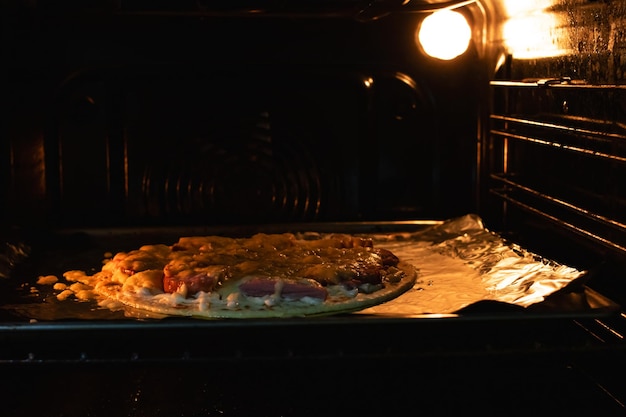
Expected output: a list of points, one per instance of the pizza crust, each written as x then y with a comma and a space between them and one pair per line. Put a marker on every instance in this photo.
173, 305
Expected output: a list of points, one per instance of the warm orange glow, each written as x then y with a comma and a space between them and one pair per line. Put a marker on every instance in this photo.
444, 34
532, 30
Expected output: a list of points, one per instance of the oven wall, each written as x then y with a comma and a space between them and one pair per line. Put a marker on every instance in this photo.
151, 116
554, 159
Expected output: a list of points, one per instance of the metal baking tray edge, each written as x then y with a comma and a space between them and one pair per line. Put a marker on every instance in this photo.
60, 250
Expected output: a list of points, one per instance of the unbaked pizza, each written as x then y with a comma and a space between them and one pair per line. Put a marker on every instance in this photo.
264, 275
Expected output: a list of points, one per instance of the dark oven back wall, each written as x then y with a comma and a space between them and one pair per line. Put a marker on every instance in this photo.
173, 120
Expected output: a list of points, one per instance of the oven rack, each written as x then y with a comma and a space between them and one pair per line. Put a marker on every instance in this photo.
182, 341
559, 151
530, 373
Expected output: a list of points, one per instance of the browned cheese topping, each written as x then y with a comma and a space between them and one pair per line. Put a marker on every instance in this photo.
303, 266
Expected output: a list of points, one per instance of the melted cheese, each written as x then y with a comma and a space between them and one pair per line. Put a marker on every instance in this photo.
139, 273
46, 280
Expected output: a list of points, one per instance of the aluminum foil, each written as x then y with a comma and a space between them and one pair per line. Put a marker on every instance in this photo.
461, 262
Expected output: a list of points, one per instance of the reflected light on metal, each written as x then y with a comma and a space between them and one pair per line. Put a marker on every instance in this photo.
532, 30
444, 34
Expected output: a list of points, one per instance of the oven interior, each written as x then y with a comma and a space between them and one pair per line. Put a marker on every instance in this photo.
224, 120
128, 119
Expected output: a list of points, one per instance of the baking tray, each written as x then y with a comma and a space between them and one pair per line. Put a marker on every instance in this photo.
34, 326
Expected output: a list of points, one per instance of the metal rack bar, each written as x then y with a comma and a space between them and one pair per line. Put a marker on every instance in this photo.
561, 83
556, 144
583, 133
621, 227
560, 222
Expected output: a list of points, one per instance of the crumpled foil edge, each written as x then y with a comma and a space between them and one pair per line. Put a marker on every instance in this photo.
461, 262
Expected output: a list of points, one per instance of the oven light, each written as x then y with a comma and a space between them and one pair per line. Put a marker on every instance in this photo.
534, 30
444, 34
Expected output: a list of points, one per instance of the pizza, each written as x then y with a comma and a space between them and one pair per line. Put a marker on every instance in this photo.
263, 275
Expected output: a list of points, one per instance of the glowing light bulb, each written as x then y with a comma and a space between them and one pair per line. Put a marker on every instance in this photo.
444, 34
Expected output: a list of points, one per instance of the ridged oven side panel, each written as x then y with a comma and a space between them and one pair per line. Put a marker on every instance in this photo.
556, 177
